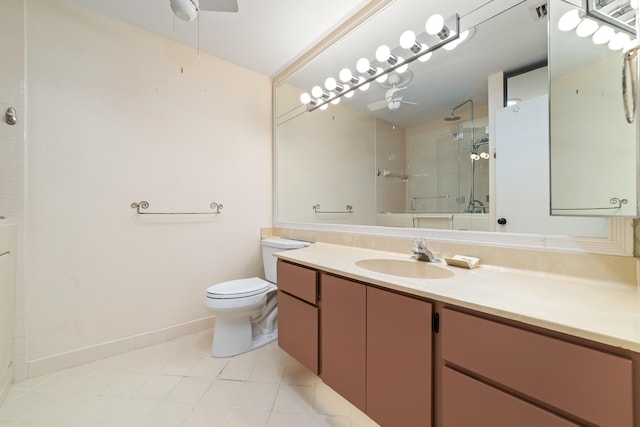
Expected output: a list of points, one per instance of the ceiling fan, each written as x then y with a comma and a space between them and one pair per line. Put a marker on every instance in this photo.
187, 10
392, 99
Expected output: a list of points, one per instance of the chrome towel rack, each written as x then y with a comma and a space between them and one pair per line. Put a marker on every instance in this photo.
613, 201
349, 210
144, 205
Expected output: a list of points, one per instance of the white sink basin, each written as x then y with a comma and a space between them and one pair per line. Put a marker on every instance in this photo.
406, 268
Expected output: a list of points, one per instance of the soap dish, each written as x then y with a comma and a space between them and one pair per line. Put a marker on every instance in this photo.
462, 261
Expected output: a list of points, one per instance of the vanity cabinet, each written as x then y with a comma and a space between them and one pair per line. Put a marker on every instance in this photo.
399, 359
343, 337
298, 313
376, 348
521, 373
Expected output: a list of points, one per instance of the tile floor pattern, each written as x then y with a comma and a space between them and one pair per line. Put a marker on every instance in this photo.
177, 383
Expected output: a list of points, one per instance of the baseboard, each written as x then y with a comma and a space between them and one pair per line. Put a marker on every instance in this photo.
88, 354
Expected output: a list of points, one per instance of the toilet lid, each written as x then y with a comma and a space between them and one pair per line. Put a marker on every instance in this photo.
238, 288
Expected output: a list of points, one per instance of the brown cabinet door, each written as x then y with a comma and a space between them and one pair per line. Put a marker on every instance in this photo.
343, 337
298, 330
467, 402
399, 342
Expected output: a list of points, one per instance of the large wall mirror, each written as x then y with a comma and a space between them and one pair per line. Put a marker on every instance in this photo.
455, 146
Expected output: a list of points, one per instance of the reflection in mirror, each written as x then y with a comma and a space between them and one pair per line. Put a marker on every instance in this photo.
589, 131
417, 150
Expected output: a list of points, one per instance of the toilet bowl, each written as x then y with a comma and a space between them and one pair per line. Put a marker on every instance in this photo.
246, 312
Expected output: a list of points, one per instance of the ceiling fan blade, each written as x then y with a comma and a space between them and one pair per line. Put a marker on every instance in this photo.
375, 106
409, 102
219, 5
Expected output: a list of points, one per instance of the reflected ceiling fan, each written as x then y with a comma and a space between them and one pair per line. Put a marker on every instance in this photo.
392, 97
187, 10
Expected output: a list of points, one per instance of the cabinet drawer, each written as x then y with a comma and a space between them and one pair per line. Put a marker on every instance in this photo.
592, 385
298, 281
298, 330
467, 402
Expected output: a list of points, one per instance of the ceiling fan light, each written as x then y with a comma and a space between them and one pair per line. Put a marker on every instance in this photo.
185, 10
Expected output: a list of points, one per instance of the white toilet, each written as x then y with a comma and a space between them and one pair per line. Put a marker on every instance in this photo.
246, 309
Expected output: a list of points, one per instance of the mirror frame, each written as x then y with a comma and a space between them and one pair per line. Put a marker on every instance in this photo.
620, 235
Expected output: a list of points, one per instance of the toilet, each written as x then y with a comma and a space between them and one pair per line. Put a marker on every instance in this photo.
246, 310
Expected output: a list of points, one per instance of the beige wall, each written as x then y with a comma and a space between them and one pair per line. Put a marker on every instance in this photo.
12, 155
117, 115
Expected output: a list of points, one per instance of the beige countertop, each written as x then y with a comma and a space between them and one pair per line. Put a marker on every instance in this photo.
604, 312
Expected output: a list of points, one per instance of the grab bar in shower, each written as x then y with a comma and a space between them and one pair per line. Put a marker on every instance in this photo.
144, 205
612, 201
5, 253
349, 210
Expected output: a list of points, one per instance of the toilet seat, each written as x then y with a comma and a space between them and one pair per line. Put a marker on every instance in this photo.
240, 288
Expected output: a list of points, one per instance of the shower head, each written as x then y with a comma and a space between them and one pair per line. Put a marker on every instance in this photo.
452, 118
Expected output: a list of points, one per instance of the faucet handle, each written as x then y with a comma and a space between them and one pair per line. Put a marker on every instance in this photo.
419, 241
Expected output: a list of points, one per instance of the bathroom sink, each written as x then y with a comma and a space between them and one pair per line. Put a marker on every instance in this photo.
405, 268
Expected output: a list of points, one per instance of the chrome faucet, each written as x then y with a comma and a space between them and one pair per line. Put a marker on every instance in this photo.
421, 252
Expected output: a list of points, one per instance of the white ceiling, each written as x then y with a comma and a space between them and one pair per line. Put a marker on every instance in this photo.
264, 36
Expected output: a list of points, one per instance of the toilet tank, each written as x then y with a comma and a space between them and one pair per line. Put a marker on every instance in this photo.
271, 246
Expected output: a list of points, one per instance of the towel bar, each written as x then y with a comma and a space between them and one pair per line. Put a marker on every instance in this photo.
349, 210
144, 205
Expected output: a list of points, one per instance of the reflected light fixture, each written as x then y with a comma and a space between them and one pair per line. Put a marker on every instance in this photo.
305, 98
465, 35
383, 54
569, 20
484, 155
474, 156
186, 10
619, 41
426, 56
603, 35
586, 27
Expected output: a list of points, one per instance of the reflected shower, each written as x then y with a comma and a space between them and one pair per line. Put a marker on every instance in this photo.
453, 117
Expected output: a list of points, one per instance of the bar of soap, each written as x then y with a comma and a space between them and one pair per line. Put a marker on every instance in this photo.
463, 261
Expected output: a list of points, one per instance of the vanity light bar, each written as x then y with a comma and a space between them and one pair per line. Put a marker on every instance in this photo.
590, 26
449, 32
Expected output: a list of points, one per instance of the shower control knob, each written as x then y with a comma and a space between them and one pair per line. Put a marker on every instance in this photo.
502, 221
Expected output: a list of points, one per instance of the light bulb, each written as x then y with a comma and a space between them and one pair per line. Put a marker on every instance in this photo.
347, 94
363, 65
427, 56
336, 100
364, 86
383, 53
381, 77
324, 106
452, 44
407, 39
586, 27
317, 92
401, 69
435, 24
305, 98
619, 41
345, 75
569, 20
603, 35
330, 83
474, 156
484, 155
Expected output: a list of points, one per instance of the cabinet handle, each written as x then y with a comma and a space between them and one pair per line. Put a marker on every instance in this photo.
435, 323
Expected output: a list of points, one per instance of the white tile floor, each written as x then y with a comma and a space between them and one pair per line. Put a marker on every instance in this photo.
178, 383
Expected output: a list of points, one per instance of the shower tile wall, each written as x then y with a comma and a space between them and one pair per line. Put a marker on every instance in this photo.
12, 153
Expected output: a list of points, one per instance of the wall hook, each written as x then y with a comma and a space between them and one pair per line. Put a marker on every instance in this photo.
10, 116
